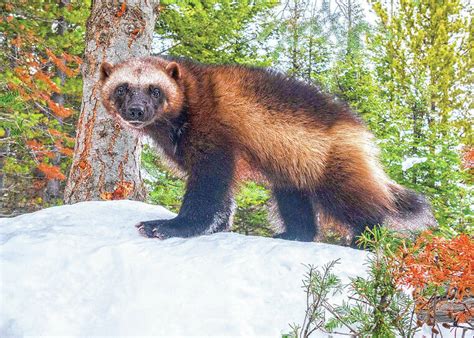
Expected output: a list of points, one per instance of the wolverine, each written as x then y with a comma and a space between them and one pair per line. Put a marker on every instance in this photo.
217, 123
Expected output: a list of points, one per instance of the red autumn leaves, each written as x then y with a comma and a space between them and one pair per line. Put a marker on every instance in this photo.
438, 263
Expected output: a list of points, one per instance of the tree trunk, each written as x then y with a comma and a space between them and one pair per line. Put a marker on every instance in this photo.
107, 158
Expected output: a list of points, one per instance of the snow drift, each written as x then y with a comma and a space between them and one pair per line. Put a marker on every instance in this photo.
83, 270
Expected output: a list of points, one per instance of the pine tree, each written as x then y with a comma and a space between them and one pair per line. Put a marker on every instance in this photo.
424, 58
303, 41
213, 31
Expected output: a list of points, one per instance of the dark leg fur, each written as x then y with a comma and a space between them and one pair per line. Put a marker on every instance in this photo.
207, 204
296, 212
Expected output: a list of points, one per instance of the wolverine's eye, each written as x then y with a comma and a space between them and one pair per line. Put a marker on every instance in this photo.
120, 90
155, 92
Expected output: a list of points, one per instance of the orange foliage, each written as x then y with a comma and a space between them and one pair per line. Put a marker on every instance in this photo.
41, 150
122, 191
39, 184
29, 90
34, 145
51, 172
61, 64
17, 41
66, 151
122, 9
34, 78
58, 134
23, 94
55, 133
468, 159
47, 80
49, 154
71, 58
63, 150
434, 261
57, 109
23, 75
30, 68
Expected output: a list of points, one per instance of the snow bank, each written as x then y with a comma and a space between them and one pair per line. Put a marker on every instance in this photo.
83, 270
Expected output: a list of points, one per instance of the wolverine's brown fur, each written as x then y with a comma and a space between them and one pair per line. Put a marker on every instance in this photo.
296, 138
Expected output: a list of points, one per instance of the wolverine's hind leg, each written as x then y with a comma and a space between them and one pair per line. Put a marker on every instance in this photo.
296, 212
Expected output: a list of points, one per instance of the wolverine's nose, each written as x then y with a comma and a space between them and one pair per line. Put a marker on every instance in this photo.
135, 114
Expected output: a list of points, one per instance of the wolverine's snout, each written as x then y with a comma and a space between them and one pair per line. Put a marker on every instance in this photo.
135, 105
135, 113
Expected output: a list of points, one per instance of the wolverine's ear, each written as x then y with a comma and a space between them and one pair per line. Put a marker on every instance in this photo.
173, 70
105, 70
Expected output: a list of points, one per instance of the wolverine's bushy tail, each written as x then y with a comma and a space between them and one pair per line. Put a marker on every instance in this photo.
412, 210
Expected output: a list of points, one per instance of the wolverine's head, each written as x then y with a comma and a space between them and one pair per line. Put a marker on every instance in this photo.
141, 91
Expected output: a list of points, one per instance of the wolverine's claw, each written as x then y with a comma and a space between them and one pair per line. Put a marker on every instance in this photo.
151, 229
147, 230
163, 229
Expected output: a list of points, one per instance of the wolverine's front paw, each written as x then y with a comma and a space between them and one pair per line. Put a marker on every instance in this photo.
163, 229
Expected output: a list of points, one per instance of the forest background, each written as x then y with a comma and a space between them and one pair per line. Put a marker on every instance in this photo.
404, 66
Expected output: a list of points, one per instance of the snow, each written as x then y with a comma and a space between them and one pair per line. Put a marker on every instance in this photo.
411, 161
83, 270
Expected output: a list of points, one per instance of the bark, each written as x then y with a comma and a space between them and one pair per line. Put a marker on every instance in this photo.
443, 310
106, 157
